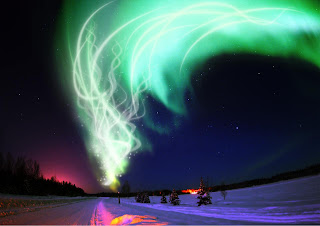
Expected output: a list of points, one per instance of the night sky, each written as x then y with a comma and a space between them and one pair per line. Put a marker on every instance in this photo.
250, 116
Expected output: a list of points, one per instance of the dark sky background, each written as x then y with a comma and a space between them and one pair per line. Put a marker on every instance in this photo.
250, 116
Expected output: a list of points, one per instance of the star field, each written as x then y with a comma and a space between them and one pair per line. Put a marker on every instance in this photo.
248, 116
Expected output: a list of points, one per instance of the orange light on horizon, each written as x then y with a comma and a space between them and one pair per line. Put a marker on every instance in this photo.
191, 191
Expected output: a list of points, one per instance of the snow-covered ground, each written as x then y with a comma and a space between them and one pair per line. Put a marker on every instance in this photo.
288, 202
17, 204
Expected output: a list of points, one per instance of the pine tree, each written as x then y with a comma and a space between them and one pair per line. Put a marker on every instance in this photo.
163, 199
208, 197
204, 195
139, 197
201, 193
174, 198
146, 198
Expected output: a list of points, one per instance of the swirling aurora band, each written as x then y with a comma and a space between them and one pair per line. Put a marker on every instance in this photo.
127, 51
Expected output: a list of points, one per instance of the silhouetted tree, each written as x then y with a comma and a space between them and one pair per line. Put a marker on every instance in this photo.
23, 176
203, 194
125, 188
20, 169
1, 161
163, 198
142, 197
8, 166
36, 170
174, 198
139, 197
223, 191
208, 197
54, 179
145, 198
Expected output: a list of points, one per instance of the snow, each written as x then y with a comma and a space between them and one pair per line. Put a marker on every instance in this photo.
74, 213
288, 202
17, 204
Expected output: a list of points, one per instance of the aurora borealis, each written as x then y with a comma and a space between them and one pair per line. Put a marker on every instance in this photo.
121, 59
245, 106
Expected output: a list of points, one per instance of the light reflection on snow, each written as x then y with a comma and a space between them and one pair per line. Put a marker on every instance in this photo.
100, 215
136, 219
287, 202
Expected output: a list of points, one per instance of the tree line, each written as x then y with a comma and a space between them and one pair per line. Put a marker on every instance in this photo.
308, 171
23, 176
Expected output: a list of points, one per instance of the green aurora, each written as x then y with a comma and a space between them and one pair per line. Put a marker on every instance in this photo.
123, 52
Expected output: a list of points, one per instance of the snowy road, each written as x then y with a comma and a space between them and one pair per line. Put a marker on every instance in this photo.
288, 202
76, 213
106, 211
